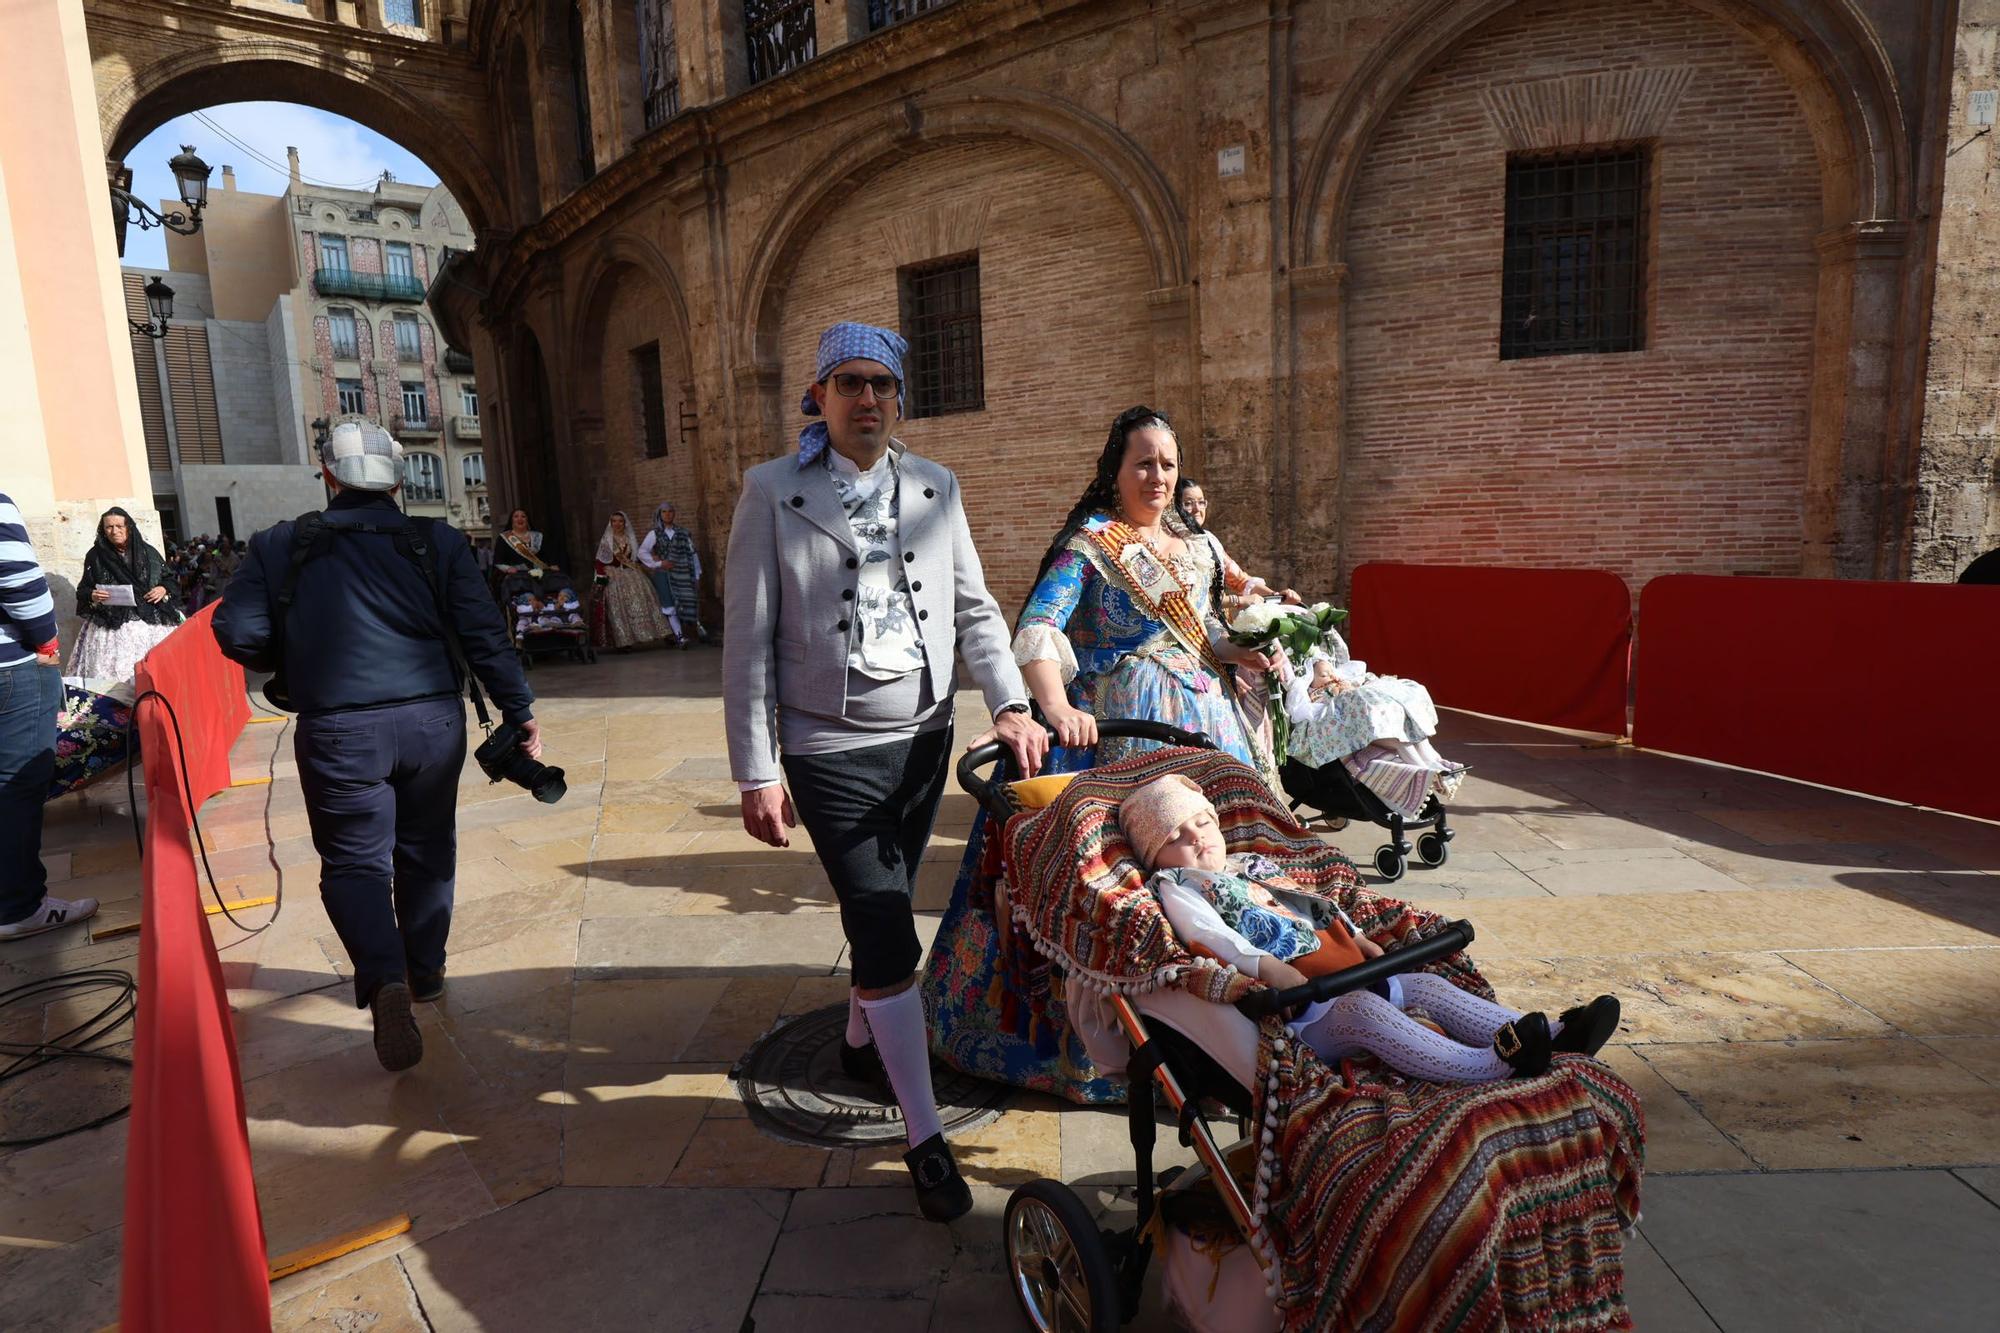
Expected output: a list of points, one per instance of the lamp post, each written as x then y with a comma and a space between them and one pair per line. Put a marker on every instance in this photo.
160, 305
190, 178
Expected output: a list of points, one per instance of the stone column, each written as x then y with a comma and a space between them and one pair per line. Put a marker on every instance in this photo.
714, 62
71, 438
1854, 351
838, 22
1309, 461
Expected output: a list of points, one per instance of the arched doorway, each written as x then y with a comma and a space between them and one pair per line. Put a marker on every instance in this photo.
537, 472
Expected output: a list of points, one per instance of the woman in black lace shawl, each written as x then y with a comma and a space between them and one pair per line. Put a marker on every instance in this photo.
115, 636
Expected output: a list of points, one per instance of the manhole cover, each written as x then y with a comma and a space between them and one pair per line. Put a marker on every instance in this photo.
794, 1087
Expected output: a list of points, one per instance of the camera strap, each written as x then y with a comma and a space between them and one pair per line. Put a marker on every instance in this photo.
312, 535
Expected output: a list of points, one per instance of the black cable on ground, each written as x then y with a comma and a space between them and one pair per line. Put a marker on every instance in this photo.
86, 1041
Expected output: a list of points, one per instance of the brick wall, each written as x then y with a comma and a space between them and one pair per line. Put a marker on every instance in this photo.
637, 315
1063, 276
1958, 471
1686, 457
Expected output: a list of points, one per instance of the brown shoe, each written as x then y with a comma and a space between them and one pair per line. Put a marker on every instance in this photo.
398, 1044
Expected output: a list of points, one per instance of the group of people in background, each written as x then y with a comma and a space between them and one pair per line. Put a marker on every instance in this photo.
647, 581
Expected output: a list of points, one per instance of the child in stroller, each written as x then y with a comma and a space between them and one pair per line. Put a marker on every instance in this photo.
545, 615
1240, 910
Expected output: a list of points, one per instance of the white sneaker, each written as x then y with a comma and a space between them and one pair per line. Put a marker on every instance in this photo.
53, 914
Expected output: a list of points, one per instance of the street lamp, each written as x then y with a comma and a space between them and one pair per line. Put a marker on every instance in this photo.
190, 178
160, 305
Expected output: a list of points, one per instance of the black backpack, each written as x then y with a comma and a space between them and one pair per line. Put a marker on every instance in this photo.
312, 537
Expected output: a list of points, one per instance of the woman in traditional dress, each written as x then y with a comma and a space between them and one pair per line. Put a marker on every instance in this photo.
630, 612
1239, 588
115, 636
670, 559
1122, 623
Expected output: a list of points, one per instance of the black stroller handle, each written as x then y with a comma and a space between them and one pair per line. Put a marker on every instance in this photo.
1453, 938
989, 792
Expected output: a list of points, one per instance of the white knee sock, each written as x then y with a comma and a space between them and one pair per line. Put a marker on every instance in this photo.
1407, 753
898, 1024
1363, 1020
857, 1022
1461, 1013
673, 619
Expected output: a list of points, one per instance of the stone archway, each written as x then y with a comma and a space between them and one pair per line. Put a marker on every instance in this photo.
1867, 253
441, 116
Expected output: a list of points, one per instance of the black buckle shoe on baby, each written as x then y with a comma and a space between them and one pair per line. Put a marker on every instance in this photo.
1524, 1044
941, 1192
863, 1064
1587, 1027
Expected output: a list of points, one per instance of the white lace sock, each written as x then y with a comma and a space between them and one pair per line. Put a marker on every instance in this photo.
1364, 1021
898, 1024
1461, 1013
673, 616
857, 1022
1428, 753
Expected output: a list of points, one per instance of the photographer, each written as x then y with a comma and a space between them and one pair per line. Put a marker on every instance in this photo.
369, 667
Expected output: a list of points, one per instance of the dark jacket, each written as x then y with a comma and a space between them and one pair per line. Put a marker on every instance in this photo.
363, 629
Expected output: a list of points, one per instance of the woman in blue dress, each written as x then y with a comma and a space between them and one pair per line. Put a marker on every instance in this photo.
1124, 622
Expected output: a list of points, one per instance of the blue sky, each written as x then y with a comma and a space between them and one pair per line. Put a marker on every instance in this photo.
332, 151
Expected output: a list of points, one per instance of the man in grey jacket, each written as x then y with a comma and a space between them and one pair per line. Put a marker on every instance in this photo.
851, 583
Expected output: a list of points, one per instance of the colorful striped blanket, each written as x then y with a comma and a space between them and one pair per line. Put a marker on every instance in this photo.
1388, 1204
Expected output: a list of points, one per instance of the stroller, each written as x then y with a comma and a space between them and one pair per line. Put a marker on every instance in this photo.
545, 640
1333, 791
1067, 1274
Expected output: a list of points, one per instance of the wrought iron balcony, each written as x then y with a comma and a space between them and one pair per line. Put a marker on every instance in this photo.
779, 36
882, 13
384, 287
457, 362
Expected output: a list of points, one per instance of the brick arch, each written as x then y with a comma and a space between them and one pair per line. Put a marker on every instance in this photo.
615, 255
1826, 51
1067, 130
280, 70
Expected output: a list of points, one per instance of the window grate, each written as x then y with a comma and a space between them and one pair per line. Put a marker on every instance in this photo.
1572, 274
940, 317
779, 36
659, 61
882, 13
652, 400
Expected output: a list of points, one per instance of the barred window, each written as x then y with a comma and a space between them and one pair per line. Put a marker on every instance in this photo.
652, 402
940, 315
1572, 275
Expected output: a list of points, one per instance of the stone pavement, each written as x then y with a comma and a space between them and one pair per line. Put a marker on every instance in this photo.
1811, 985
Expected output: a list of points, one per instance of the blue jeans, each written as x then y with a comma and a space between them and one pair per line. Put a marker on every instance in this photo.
30, 698
381, 789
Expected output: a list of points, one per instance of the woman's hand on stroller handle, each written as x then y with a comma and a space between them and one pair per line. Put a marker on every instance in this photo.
1074, 728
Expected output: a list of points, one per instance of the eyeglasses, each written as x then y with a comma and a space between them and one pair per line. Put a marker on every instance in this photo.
849, 386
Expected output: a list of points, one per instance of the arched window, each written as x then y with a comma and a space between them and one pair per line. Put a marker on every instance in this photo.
473, 469
423, 478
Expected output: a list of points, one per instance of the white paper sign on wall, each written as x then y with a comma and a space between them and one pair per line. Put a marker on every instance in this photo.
1985, 102
1229, 161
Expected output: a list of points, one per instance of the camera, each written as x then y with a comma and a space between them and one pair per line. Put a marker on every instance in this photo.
501, 757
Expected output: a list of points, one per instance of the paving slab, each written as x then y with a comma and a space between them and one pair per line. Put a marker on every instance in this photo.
1830, 1252
1659, 1301
638, 1259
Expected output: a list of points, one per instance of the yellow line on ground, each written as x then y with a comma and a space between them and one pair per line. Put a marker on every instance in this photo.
310, 1256
251, 782
113, 932
215, 909
265, 717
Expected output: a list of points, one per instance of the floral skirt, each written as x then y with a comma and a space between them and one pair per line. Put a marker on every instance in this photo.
631, 612
113, 654
995, 1005
90, 738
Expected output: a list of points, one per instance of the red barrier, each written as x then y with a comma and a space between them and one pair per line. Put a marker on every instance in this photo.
1803, 678
1543, 645
194, 1240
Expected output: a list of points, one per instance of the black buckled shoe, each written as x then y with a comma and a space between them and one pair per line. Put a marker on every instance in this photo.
863, 1064
1587, 1027
941, 1192
1524, 1044
398, 1044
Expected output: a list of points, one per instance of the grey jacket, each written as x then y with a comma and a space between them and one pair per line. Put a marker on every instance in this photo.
788, 623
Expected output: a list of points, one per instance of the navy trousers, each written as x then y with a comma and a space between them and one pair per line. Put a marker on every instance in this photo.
381, 789
30, 698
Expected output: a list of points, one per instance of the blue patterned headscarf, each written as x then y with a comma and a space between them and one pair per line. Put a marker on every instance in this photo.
848, 342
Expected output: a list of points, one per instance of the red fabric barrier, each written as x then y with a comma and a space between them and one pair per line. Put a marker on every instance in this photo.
194, 1240
1792, 676
1543, 645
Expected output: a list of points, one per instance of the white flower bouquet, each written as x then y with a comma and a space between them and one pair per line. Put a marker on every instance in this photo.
1296, 629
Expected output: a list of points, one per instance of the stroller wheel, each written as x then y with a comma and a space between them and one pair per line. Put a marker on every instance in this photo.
1061, 1271
1432, 850
1389, 863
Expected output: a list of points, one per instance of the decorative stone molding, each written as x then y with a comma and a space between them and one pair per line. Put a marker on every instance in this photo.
936, 232
1612, 106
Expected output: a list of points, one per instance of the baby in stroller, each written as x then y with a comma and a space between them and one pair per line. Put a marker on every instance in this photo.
1239, 910
527, 613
